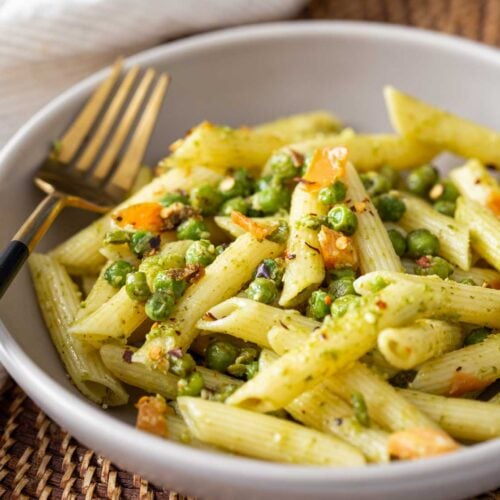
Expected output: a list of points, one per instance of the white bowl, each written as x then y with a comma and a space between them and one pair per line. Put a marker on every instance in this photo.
247, 75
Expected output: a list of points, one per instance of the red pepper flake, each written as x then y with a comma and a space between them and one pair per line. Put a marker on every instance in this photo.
297, 158
301, 180
290, 256
127, 356
208, 316
328, 300
381, 304
424, 261
323, 335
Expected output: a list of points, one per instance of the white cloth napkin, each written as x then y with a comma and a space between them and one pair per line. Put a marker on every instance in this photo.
48, 45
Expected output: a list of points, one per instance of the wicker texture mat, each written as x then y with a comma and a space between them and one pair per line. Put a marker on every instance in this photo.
40, 460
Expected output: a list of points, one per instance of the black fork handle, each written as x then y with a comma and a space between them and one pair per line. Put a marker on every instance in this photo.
26, 239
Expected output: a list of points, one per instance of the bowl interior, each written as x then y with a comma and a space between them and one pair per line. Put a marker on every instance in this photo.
246, 77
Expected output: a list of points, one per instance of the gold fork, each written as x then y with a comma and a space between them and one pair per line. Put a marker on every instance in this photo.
82, 172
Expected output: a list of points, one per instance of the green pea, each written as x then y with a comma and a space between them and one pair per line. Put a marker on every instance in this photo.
142, 242
262, 290
271, 269
117, 237
391, 174
283, 166
163, 281
238, 184
398, 241
182, 366
421, 180
360, 409
116, 273
206, 199
445, 207
191, 386
136, 286
192, 229
477, 335
280, 234
444, 191
342, 218
220, 355
389, 207
429, 266
235, 204
156, 264
375, 183
468, 281
263, 182
332, 194
422, 242
271, 199
342, 272
342, 286
341, 305
312, 221
201, 252
160, 305
318, 305
176, 197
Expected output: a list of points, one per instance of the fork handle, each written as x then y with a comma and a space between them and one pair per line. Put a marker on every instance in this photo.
25, 240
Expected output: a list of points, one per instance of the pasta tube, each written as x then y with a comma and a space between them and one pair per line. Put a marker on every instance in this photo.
59, 300
420, 121
459, 302
484, 229
474, 181
250, 320
306, 271
373, 246
409, 346
453, 237
80, 253
264, 436
372, 151
336, 344
461, 418
459, 372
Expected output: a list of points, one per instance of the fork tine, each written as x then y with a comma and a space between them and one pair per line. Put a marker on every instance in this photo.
106, 161
74, 136
84, 162
124, 175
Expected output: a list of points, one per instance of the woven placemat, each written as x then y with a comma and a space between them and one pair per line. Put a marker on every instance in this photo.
40, 460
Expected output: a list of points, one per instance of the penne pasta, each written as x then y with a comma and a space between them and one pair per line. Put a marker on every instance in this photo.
460, 302
250, 320
484, 229
59, 300
306, 271
462, 418
463, 371
372, 151
420, 121
453, 236
373, 246
264, 436
409, 346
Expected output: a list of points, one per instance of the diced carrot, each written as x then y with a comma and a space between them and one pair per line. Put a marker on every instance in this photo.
463, 382
260, 231
336, 249
146, 216
493, 202
327, 165
151, 415
420, 442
